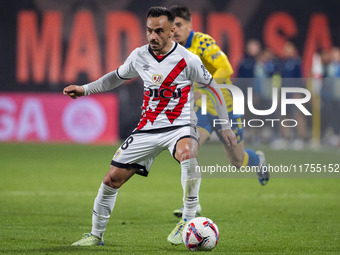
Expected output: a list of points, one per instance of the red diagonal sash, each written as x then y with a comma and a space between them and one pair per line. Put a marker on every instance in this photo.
151, 115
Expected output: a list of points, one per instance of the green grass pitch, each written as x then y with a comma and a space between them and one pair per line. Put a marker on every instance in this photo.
47, 192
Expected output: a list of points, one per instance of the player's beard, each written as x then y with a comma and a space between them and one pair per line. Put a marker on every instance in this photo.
156, 46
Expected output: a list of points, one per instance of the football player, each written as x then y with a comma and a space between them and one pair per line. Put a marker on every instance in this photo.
218, 65
167, 121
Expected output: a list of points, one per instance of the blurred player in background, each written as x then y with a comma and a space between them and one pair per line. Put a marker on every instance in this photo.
218, 65
168, 120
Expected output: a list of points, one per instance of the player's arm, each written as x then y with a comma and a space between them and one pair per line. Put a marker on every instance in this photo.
222, 112
74, 91
107, 82
205, 80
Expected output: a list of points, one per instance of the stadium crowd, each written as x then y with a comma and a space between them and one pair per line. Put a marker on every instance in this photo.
262, 70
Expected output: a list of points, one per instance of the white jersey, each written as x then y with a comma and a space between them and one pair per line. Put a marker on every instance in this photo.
168, 83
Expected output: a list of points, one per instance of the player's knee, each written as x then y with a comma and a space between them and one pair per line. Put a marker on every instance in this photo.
112, 180
184, 154
186, 151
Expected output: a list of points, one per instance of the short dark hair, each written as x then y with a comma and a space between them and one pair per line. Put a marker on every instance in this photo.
158, 11
181, 12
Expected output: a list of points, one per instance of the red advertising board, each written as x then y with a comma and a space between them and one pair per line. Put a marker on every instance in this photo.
47, 117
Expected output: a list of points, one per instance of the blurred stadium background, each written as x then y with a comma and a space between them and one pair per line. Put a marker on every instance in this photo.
46, 45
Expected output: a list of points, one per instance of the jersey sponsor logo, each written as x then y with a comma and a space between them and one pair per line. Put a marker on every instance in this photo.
151, 115
170, 92
157, 79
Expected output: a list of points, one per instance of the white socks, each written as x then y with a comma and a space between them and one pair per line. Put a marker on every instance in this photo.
191, 181
102, 208
106, 198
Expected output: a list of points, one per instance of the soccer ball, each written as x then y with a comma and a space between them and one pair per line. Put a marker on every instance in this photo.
200, 234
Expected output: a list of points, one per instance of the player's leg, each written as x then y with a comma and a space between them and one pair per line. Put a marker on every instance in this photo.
204, 130
128, 160
185, 152
106, 197
104, 203
244, 157
238, 156
204, 136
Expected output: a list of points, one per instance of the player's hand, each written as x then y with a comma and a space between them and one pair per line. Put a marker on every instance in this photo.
230, 138
74, 91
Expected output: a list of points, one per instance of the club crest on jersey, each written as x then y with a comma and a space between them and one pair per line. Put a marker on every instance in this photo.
157, 79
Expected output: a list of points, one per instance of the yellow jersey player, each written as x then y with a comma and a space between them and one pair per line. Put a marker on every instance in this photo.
218, 65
